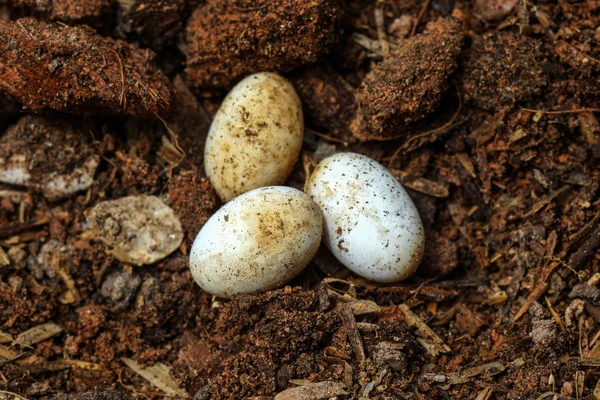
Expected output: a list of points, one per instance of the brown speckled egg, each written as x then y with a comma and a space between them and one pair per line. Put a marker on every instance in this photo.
256, 242
255, 137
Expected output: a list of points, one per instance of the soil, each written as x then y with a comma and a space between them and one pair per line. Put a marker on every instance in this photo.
497, 143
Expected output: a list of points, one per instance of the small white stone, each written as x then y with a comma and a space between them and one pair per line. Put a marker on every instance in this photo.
256, 136
256, 242
371, 224
48, 156
137, 229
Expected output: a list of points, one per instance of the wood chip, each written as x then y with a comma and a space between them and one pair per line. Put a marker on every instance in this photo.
538, 290
84, 365
5, 337
362, 307
422, 185
158, 375
313, 391
433, 344
556, 317
485, 394
545, 200
38, 334
7, 353
4, 395
66, 298
580, 383
352, 331
585, 250
4, 260
348, 376
596, 391
466, 162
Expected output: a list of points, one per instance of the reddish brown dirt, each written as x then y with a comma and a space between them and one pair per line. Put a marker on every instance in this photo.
503, 167
229, 39
74, 70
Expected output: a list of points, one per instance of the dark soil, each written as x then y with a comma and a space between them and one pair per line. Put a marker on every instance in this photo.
491, 107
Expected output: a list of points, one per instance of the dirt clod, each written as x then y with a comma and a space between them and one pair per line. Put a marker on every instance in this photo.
230, 39
74, 70
409, 83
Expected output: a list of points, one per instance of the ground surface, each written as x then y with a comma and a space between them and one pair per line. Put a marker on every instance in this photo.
501, 157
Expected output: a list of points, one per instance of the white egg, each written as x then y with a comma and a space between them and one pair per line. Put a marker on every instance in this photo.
256, 242
371, 224
255, 137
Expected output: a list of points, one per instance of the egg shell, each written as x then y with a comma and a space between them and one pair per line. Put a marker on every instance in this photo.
371, 224
255, 137
256, 242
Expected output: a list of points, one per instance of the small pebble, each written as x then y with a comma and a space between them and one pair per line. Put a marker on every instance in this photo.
257, 242
53, 157
120, 286
255, 138
371, 224
137, 229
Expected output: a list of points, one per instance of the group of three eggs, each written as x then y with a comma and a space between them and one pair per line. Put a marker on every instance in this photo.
265, 235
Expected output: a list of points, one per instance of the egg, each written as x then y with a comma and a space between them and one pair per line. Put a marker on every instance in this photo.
256, 135
256, 242
371, 224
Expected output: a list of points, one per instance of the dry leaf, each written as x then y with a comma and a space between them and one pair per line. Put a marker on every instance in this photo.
38, 334
426, 336
313, 391
158, 375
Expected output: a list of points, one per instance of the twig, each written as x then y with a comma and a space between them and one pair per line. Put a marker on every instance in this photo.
26, 31
574, 111
175, 140
448, 125
539, 289
414, 29
122, 98
556, 317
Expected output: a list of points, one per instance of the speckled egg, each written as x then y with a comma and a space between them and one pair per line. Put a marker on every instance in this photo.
256, 242
371, 224
255, 137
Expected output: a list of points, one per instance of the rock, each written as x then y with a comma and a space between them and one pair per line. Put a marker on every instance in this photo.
46, 255
390, 355
137, 229
74, 70
583, 291
230, 39
120, 286
409, 83
54, 157
543, 330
